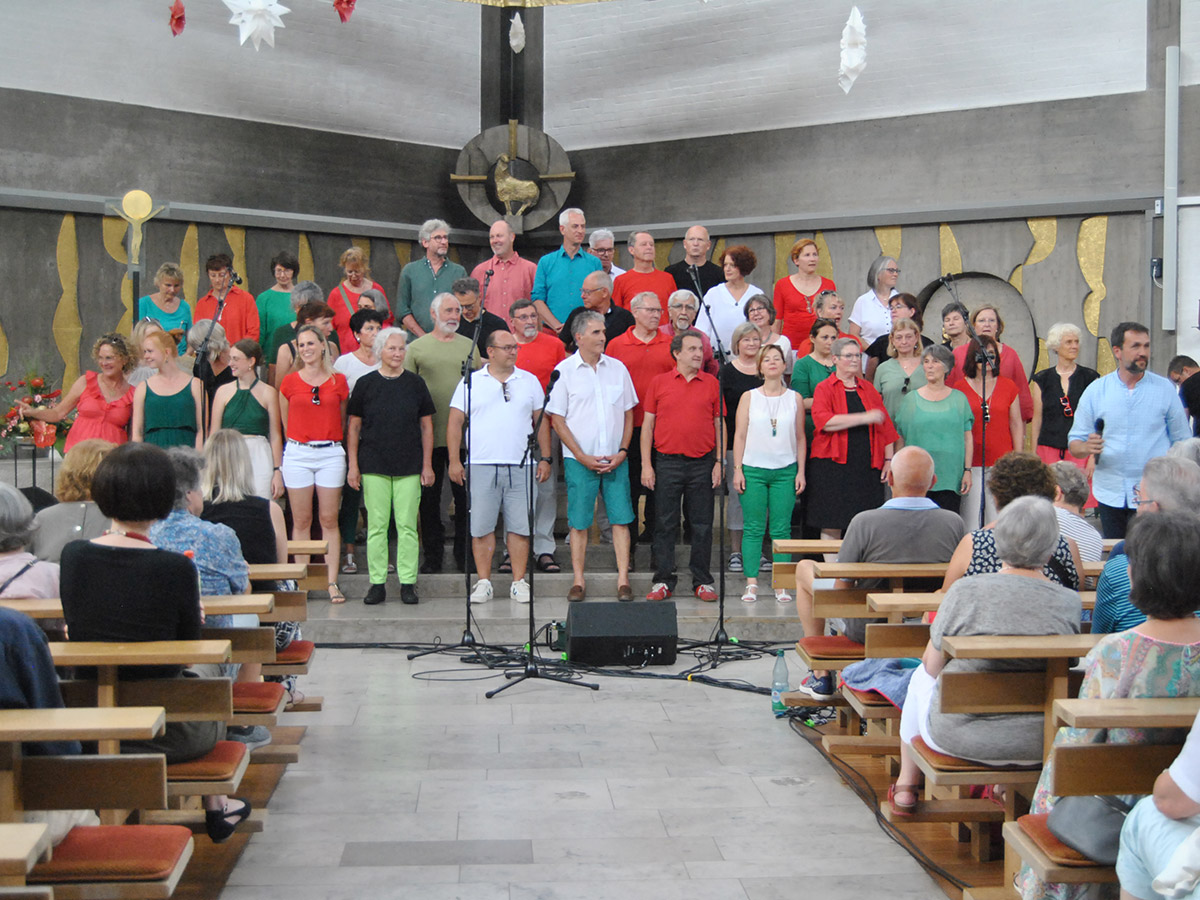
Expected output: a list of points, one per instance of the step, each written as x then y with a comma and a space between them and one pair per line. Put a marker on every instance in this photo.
947, 811
861, 745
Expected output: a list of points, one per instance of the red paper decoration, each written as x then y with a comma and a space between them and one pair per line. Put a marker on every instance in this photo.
345, 8
177, 18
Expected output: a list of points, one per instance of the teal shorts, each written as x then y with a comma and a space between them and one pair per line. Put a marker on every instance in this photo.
582, 487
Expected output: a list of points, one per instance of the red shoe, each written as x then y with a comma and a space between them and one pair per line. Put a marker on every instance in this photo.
659, 592
707, 593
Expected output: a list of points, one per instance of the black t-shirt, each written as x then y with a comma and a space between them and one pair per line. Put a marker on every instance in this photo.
490, 322
1056, 424
250, 519
617, 321
709, 274
391, 410
1189, 392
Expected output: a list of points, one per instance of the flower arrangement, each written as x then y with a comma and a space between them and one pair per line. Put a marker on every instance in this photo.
36, 389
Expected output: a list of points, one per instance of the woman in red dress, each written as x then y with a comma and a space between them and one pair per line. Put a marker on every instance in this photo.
795, 296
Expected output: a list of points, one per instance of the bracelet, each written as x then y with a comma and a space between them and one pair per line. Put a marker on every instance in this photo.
544, 459
277, 468
624, 450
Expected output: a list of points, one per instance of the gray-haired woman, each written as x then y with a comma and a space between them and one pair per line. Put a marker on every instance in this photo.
21, 573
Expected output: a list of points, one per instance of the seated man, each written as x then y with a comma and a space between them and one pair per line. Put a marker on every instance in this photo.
909, 528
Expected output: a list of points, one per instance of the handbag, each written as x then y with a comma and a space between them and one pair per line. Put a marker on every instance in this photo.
1090, 825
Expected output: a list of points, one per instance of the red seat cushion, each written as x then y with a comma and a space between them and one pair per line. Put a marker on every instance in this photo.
297, 653
257, 696
1059, 853
869, 697
835, 646
218, 764
114, 853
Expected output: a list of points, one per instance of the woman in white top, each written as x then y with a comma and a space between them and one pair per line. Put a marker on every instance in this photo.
872, 316
768, 462
760, 312
725, 301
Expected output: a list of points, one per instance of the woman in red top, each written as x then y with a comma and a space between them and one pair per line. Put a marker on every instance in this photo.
312, 410
987, 323
344, 298
852, 446
795, 295
1005, 430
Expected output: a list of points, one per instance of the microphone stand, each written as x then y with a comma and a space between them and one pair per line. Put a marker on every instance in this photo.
983, 360
531, 668
202, 360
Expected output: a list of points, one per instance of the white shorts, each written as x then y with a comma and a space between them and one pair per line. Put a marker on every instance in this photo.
304, 465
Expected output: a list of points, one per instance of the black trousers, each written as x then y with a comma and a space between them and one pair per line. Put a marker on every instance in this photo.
636, 488
433, 532
687, 479
1115, 519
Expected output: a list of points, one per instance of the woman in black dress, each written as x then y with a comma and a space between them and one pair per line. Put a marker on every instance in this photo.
1056, 391
737, 376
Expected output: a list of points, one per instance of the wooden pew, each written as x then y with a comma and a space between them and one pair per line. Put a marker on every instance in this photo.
231, 604
22, 846
278, 572
899, 604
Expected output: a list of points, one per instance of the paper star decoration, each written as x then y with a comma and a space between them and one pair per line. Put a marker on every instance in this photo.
854, 50
177, 18
345, 9
256, 19
516, 33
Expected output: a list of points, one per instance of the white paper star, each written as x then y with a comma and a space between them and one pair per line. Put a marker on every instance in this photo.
516, 34
257, 19
854, 50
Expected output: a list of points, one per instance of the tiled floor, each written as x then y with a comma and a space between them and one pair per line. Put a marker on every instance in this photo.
412, 785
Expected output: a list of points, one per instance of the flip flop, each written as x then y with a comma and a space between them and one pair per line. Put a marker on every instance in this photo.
335, 593
547, 563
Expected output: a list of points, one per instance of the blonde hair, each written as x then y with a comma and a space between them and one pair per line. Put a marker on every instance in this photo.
326, 362
137, 337
168, 270
740, 333
79, 466
218, 343
119, 347
227, 475
355, 255
904, 325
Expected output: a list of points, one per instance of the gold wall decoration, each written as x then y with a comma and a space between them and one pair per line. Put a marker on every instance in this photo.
825, 263
1089, 250
67, 327
718, 254
662, 253
236, 235
1045, 233
951, 257
403, 252
304, 255
783, 253
1043, 356
1105, 361
113, 231
363, 244
189, 261
889, 240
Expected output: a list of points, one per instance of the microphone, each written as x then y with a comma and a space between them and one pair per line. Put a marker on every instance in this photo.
235, 277
554, 376
489, 273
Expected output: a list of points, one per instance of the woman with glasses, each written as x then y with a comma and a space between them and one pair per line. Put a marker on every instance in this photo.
903, 306
1056, 391
987, 323
761, 315
872, 313
853, 442
796, 295
938, 419
312, 410
344, 299
902, 372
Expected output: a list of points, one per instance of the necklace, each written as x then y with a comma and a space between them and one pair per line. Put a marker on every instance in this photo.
132, 535
773, 414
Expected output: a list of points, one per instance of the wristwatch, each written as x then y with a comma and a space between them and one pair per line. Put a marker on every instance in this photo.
544, 459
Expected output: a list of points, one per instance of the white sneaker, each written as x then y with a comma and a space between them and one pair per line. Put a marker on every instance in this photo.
482, 592
519, 591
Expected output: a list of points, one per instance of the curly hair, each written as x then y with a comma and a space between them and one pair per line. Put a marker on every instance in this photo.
1018, 474
74, 482
742, 257
119, 347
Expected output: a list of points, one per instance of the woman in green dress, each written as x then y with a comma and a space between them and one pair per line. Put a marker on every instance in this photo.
167, 406
815, 367
903, 372
251, 407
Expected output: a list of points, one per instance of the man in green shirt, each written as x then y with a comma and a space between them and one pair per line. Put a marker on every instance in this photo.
426, 277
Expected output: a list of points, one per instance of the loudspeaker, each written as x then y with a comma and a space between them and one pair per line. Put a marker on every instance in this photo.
626, 634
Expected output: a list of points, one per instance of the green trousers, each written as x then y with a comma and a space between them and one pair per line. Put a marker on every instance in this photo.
383, 496
770, 495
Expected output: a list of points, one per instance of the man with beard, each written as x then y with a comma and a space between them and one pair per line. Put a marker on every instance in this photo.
682, 307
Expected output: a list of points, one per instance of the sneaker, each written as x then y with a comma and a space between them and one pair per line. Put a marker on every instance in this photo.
408, 594
782, 596
519, 591
253, 736
482, 592
376, 594
659, 591
735, 562
706, 592
818, 688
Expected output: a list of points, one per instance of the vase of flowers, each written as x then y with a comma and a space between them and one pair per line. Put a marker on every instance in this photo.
38, 390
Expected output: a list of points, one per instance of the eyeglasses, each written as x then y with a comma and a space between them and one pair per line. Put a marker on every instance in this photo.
505, 348
1066, 406
589, 290
892, 270
603, 251
315, 398
851, 356
1138, 499
686, 306
653, 310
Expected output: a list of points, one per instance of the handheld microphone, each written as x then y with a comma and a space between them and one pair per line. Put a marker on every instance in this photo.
554, 376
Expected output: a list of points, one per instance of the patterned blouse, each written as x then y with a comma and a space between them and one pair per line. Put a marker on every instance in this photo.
218, 555
984, 559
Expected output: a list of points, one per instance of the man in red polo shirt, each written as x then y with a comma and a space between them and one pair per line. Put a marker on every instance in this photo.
643, 276
646, 353
239, 313
682, 418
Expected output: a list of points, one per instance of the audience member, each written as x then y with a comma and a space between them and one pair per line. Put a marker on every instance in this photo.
696, 272
560, 273
21, 573
643, 277
506, 277
231, 306
75, 517
423, 279
1180, 370
1069, 500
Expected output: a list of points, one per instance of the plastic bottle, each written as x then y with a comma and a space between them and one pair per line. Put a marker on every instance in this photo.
779, 683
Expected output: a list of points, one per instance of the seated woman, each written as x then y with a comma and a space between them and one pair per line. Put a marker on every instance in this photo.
121, 587
229, 499
75, 517
1018, 599
1014, 475
21, 573
1159, 658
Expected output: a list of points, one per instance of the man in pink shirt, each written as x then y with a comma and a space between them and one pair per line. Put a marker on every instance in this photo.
682, 307
511, 276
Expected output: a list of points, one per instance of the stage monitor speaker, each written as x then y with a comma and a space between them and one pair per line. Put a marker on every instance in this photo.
623, 634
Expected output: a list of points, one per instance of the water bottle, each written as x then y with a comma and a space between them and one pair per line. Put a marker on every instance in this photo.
779, 683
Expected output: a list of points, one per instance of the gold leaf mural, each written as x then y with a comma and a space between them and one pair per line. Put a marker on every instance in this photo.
403, 252
189, 261
113, 230
67, 327
1045, 233
1043, 356
1089, 250
825, 263
950, 255
1105, 361
783, 249
889, 240
662, 253
718, 253
304, 255
363, 244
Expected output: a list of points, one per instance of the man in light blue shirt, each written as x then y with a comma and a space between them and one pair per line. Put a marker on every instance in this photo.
1123, 420
560, 273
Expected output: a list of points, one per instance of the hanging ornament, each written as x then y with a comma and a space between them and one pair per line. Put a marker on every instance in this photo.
854, 50
516, 33
177, 18
345, 9
256, 19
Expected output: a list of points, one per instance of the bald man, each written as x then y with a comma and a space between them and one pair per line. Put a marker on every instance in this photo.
695, 272
511, 277
909, 528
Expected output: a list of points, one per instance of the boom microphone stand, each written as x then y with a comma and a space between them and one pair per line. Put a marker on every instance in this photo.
202, 361
984, 360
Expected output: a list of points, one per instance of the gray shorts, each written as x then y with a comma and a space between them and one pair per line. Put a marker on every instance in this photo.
495, 489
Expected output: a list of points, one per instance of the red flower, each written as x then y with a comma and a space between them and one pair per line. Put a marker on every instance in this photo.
345, 8
21, 383
177, 18
37, 382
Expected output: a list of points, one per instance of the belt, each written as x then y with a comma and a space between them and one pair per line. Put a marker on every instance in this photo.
315, 444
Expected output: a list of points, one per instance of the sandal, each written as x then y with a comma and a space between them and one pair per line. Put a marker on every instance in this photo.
898, 808
217, 821
547, 563
506, 566
750, 594
335, 593
349, 567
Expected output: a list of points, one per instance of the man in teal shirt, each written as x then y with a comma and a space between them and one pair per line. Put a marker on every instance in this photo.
560, 274
422, 279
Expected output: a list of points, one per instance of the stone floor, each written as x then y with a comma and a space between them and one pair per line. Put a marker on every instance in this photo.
412, 785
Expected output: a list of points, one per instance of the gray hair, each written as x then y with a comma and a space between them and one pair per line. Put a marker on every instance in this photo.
1071, 481
306, 292
1188, 449
601, 278
429, 226
633, 237
644, 299
942, 354
874, 269
16, 519
1060, 330
565, 216
435, 305
217, 342
465, 286
585, 320
761, 300
187, 465
684, 295
842, 343
824, 299
1173, 483
600, 234
381, 339
1026, 532
378, 300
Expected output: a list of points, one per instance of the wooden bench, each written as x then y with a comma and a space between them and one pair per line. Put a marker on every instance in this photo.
278, 572
224, 605
896, 604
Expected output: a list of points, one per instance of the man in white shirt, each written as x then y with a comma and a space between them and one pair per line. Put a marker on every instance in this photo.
504, 407
591, 407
